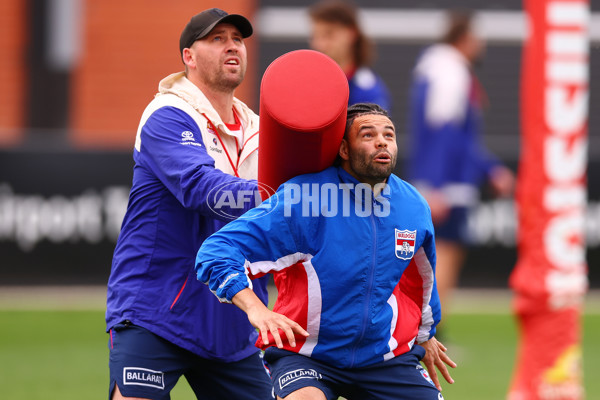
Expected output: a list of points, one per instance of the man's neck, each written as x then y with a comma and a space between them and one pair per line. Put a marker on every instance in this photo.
376, 185
222, 101
463, 52
347, 65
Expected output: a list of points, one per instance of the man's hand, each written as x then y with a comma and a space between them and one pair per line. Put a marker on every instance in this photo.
503, 181
438, 205
436, 356
266, 320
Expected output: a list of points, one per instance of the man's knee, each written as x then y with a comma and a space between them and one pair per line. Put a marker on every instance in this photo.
306, 393
116, 395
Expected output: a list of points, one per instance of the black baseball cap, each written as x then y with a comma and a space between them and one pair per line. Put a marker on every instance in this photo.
201, 24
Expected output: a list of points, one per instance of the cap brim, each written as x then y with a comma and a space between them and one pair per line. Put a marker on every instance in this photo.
239, 21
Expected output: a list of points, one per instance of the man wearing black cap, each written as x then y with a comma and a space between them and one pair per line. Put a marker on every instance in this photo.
195, 155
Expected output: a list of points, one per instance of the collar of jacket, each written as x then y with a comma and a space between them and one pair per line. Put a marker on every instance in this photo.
182, 87
346, 178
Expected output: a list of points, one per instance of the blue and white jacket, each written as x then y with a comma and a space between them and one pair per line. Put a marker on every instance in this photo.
181, 162
445, 151
357, 273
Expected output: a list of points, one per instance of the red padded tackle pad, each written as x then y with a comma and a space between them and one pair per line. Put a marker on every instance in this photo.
303, 103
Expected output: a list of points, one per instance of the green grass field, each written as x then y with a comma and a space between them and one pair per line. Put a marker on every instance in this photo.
64, 355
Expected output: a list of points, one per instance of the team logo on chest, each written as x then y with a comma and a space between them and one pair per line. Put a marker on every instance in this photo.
405, 243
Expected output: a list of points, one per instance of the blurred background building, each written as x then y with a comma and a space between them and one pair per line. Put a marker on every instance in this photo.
77, 74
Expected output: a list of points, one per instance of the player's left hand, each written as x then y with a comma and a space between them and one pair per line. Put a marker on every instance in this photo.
436, 356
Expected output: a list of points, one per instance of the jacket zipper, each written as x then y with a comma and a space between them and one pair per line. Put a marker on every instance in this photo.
365, 321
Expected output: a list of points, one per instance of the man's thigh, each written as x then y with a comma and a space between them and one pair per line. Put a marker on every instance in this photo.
294, 373
401, 378
246, 379
306, 393
142, 364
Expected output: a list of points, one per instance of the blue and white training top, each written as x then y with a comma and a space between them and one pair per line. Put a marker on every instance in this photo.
445, 151
357, 273
183, 155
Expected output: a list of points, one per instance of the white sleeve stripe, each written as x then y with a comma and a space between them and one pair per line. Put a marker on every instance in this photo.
426, 273
392, 343
315, 305
262, 267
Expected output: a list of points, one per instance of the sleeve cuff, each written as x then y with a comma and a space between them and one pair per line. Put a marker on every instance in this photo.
236, 287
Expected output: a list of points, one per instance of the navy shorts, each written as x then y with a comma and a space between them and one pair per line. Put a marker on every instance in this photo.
454, 227
401, 378
148, 366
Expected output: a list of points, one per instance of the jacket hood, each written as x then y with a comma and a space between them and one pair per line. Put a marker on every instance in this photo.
179, 85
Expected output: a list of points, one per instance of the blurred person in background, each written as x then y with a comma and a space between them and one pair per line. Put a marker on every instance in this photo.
446, 159
336, 32
194, 136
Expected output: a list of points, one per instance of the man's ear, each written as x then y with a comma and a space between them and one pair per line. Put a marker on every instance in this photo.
188, 57
343, 151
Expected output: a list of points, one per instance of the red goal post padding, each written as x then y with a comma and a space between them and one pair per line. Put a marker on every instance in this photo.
550, 278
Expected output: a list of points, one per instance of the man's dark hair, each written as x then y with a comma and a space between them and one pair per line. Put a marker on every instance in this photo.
459, 24
345, 13
359, 109
355, 111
